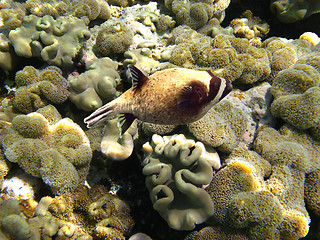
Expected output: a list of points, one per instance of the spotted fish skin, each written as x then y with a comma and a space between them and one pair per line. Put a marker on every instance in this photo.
171, 96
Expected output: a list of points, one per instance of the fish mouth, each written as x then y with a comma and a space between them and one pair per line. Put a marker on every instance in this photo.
227, 89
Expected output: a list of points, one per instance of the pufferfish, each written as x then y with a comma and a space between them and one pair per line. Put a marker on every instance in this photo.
173, 96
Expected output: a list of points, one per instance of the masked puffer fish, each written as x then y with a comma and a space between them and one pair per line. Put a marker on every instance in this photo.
173, 96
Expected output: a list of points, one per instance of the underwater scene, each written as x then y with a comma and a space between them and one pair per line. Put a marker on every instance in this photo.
160, 120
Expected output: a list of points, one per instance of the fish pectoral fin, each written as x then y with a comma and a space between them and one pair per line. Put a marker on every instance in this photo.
192, 96
138, 78
126, 120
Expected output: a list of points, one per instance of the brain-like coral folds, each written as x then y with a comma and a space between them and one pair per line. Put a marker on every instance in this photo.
46, 146
56, 41
176, 169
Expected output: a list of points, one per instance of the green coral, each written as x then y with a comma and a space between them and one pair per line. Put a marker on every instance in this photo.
114, 38
12, 14
115, 146
292, 155
296, 91
106, 215
37, 88
241, 198
176, 168
288, 147
98, 85
283, 53
292, 10
7, 57
225, 56
300, 110
49, 150
88, 10
13, 225
223, 127
215, 233
196, 13
56, 41
142, 57
9, 226
312, 191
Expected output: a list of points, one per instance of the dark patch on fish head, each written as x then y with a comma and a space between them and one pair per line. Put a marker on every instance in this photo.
227, 89
198, 94
192, 96
214, 88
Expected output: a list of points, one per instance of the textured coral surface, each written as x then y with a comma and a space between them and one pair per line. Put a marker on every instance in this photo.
249, 169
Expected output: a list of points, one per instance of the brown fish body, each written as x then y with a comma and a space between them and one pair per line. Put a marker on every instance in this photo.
171, 96
157, 101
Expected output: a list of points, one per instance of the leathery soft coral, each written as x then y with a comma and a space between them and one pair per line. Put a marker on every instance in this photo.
13, 224
115, 146
7, 57
46, 146
196, 13
297, 94
225, 56
176, 169
222, 126
88, 10
292, 154
114, 38
241, 198
56, 41
96, 86
37, 88
88, 212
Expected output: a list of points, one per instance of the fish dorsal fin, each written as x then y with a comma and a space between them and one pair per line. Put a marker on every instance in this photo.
138, 78
192, 95
125, 121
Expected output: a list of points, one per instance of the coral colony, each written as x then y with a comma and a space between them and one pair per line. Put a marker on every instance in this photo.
211, 120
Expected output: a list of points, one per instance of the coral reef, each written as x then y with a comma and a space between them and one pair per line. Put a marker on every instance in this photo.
225, 56
311, 191
113, 145
142, 58
56, 41
296, 91
92, 211
249, 26
4, 168
87, 214
241, 198
196, 13
46, 146
36, 88
7, 58
114, 38
223, 127
266, 131
292, 10
292, 155
87, 10
288, 147
98, 85
176, 168
284, 53
13, 225
12, 14
215, 233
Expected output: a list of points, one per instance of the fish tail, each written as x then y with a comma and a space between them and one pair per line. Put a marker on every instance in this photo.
101, 114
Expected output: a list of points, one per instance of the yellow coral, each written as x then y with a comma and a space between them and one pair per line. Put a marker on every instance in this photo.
43, 149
